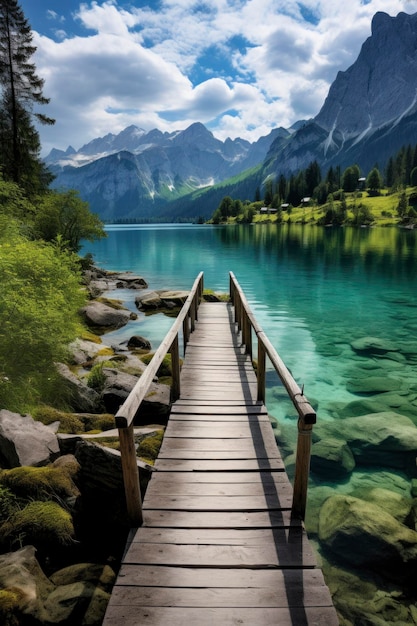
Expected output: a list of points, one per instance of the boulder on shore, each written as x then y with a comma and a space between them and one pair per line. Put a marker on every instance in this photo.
24, 441
75, 595
83, 399
99, 315
118, 386
161, 299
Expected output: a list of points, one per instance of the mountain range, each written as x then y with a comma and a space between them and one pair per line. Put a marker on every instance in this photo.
369, 114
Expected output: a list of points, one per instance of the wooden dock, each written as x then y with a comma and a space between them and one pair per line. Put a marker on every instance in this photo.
218, 544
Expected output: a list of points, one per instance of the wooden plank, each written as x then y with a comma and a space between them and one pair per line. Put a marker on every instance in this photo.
224, 465
304, 585
269, 502
277, 478
218, 536
207, 616
213, 556
216, 407
159, 487
265, 597
214, 519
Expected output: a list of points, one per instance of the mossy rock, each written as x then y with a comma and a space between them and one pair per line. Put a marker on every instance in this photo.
69, 423
165, 369
40, 483
43, 524
149, 446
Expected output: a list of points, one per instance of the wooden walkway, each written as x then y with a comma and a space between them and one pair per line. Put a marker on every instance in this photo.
218, 545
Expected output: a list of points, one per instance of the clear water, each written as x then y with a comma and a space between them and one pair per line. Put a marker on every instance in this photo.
312, 289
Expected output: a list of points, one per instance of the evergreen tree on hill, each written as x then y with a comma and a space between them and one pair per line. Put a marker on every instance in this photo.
20, 90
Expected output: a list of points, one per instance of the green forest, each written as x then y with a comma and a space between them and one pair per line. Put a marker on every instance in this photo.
338, 198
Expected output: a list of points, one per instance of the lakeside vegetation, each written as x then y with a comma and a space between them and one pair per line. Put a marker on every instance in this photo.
40, 234
356, 209
347, 198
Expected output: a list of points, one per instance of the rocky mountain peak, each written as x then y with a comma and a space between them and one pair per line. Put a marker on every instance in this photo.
382, 83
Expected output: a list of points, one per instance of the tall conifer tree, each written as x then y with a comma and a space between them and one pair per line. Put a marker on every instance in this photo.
20, 90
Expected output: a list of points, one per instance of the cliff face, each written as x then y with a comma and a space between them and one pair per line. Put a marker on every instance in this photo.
370, 109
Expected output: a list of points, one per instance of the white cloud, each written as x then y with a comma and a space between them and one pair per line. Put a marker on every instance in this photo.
240, 66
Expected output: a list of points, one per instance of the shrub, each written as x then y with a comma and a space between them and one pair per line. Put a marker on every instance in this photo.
8, 503
96, 378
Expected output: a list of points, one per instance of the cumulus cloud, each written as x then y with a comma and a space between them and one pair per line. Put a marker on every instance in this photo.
242, 67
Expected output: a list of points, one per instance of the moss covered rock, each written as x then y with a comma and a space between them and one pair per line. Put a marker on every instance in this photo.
363, 534
44, 524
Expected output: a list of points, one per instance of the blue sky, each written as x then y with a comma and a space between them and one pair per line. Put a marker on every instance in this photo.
241, 67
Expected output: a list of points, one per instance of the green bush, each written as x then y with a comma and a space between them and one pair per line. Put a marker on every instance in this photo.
40, 297
96, 378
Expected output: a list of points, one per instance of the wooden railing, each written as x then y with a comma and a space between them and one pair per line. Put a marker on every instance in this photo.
248, 325
129, 409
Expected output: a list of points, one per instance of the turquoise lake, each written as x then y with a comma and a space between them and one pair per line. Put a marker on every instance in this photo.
314, 290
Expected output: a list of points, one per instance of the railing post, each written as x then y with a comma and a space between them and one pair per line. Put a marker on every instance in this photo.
302, 469
261, 371
175, 367
131, 476
193, 314
248, 335
186, 331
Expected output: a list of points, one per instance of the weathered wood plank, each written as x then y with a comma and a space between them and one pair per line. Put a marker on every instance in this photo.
308, 582
220, 503
265, 597
220, 556
218, 536
207, 616
214, 519
277, 478
159, 487
224, 465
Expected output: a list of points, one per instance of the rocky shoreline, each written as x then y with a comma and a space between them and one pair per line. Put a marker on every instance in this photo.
65, 526
362, 505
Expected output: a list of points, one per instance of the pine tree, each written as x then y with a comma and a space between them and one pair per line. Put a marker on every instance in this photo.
20, 90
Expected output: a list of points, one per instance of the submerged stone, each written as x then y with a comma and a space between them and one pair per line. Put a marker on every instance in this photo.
331, 458
363, 534
372, 385
373, 345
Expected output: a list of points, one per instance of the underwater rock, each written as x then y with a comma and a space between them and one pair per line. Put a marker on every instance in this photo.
372, 384
331, 457
390, 501
363, 534
385, 439
372, 345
